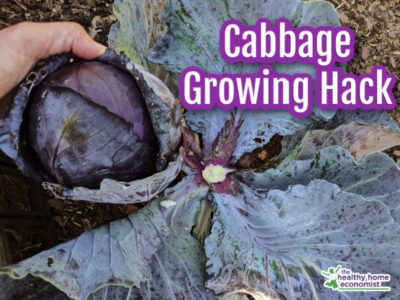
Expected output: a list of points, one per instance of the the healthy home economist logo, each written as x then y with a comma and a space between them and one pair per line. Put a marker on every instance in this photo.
345, 280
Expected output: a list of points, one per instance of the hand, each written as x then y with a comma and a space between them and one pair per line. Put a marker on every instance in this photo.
22, 45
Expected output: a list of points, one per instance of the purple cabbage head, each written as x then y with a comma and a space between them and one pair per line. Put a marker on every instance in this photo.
73, 123
88, 121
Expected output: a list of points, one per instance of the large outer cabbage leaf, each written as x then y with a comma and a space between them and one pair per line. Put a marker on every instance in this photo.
193, 40
150, 254
276, 243
345, 156
194, 26
376, 176
178, 267
117, 253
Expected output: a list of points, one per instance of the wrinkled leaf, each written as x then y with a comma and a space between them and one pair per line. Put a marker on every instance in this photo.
117, 253
236, 296
276, 243
262, 126
112, 191
359, 140
376, 176
178, 267
193, 40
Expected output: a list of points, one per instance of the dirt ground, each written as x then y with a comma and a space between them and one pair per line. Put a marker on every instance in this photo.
95, 15
376, 25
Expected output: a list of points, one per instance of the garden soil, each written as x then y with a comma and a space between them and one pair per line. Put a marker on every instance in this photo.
376, 25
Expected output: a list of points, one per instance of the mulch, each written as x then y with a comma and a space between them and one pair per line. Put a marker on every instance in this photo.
95, 15
376, 25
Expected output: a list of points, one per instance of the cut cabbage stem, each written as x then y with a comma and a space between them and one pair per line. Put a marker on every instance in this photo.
215, 173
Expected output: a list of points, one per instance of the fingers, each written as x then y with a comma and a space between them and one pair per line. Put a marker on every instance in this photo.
66, 37
22, 45
46, 39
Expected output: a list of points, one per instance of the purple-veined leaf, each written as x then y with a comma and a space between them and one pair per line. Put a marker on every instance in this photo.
208, 123
117, 253
225, 143
178, 266
376, 176
276, 243
257, 126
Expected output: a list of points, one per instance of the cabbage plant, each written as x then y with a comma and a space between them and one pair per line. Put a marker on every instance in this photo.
86, 129
223, 231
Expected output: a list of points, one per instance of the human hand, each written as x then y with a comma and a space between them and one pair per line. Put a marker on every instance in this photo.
22, 45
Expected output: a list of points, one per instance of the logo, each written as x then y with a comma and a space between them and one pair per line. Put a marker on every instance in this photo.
345, 280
